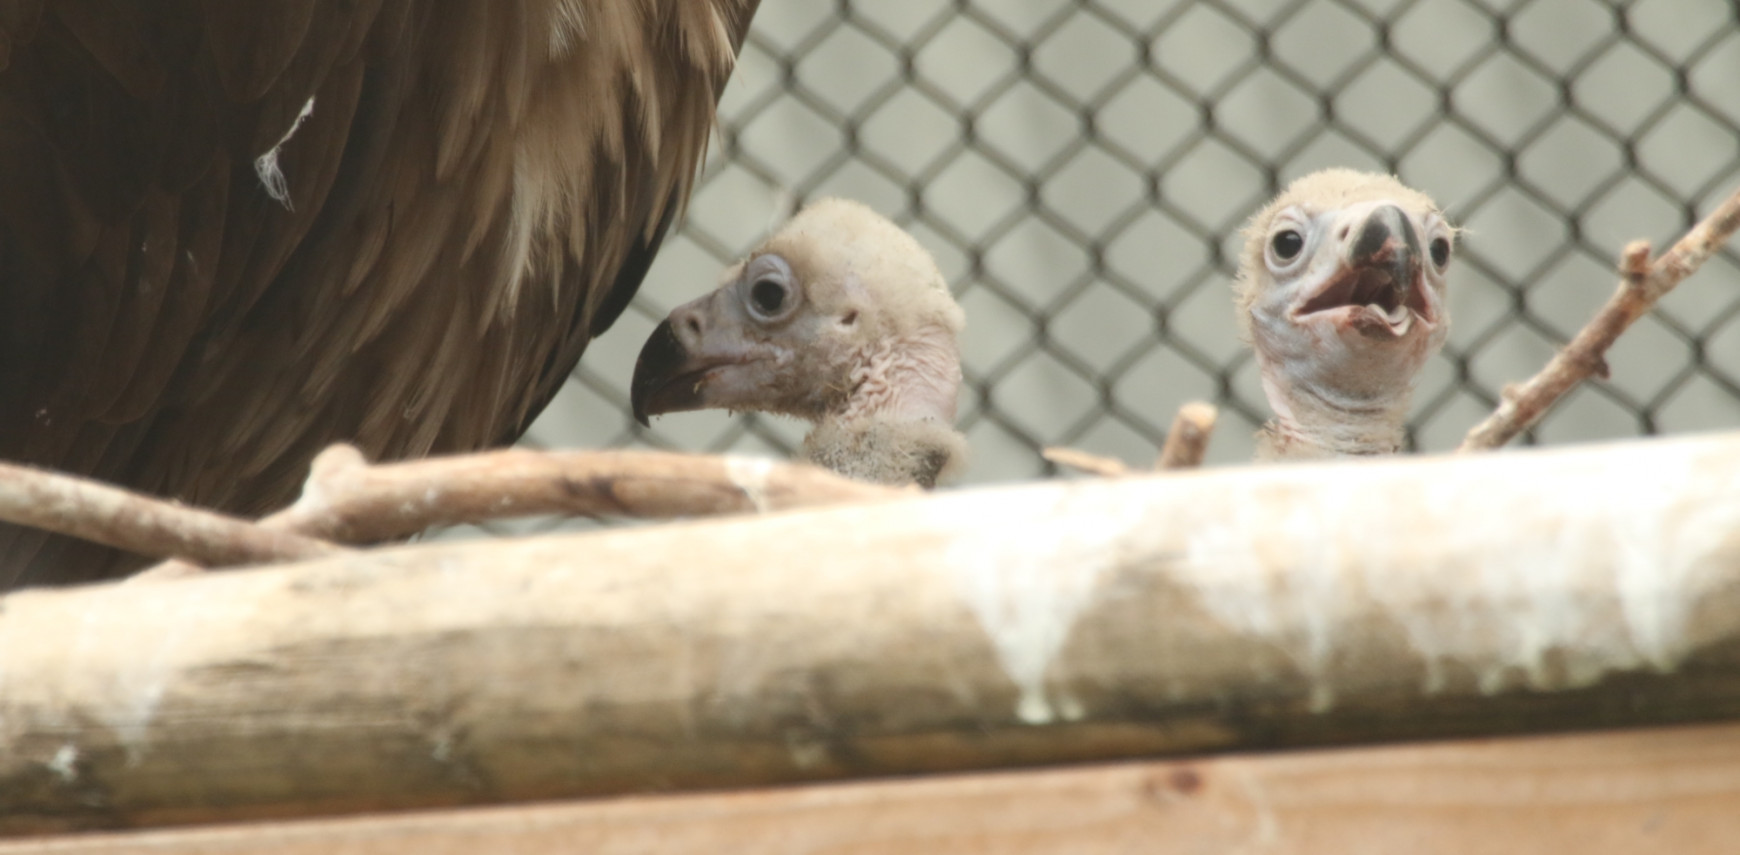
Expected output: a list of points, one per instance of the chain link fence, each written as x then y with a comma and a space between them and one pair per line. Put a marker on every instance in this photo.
1081, 169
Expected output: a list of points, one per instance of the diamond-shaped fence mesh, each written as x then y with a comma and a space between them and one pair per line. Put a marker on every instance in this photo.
1081, 169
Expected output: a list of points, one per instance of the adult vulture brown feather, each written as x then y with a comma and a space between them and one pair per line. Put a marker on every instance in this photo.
233, 233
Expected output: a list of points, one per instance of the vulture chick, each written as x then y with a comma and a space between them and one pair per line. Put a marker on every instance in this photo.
232, 233
1341, 291
840, 318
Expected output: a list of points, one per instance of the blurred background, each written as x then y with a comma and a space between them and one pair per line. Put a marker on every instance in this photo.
1081, 171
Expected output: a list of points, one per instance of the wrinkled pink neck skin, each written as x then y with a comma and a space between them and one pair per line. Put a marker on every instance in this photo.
909, 379
896, 422
1340, 380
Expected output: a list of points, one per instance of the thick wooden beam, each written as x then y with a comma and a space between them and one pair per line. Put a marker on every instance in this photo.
1620, 793
1050, 623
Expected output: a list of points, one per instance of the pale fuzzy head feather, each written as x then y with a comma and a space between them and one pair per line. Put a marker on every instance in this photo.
847, 254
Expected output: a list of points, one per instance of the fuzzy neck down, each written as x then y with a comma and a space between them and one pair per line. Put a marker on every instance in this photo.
886, 450
896, 425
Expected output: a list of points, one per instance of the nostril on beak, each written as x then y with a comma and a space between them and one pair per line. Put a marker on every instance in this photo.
686, 325
1375, 233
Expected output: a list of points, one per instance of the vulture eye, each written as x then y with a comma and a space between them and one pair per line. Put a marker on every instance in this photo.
1441, 251
1288, 243
767, 290
768, 296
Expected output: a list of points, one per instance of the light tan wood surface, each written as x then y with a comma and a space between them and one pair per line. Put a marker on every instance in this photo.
1050, 623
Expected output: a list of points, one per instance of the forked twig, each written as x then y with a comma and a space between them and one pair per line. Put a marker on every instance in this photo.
348, 500
1641, 285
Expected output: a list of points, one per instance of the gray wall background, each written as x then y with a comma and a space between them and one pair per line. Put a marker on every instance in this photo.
1081, 170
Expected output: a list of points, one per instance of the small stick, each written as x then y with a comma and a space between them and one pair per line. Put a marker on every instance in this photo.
1185, 446
348, 500
1187, 441
1641, 285
86, 509
1092, 464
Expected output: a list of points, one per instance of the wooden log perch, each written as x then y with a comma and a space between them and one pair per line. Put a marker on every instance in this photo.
1257, 607
1642, 284
98, 512
348, 500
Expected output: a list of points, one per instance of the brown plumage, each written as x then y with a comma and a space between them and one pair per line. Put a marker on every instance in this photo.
1341, 290
840, 318
199, 290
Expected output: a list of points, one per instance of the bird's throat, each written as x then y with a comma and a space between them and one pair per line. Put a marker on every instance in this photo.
1316, 423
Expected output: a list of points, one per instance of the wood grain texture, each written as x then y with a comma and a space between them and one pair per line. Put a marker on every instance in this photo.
1049, 623
1614, 793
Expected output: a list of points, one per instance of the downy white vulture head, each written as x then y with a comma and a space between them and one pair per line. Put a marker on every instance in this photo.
1341, 290
840, 318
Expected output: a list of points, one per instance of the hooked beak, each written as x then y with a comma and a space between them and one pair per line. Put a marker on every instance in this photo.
698, 358
666, 378
1381, 279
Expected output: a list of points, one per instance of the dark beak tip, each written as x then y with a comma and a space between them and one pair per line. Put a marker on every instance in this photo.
661, 359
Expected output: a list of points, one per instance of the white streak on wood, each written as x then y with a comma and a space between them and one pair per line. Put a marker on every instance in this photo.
1507, 615
1235, 558
120, 674
1028, 601
65, 762
750, 476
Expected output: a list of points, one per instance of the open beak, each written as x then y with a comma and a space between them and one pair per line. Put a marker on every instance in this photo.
1381, 279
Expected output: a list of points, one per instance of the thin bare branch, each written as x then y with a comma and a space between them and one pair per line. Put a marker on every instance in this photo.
348, 500
1092, 464
1187, 441
88, 510
1641, 285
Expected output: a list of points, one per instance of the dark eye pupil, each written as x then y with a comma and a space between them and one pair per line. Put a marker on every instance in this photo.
768, 295
1441, 252
1287, 244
